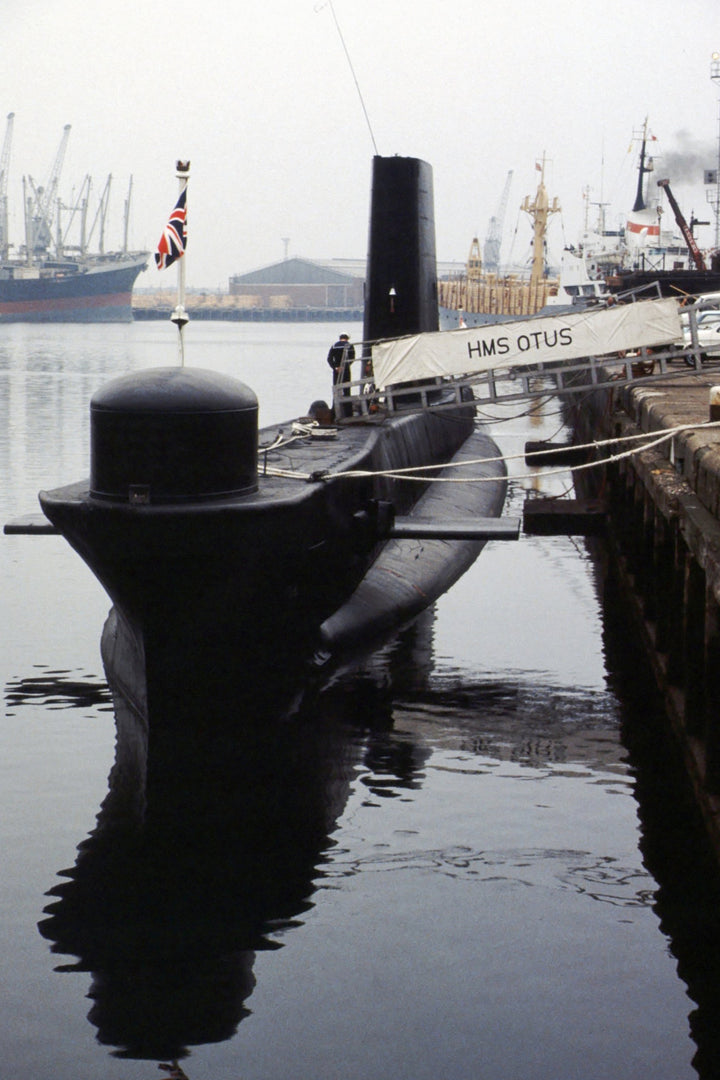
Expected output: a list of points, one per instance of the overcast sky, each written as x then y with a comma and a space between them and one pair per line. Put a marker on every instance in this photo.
260, 96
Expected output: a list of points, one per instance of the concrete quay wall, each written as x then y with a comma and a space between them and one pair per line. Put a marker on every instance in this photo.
664, 529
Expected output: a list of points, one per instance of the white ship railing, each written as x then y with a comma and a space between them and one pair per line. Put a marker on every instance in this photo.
501, 384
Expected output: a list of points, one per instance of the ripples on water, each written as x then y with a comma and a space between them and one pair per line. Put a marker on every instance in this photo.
465, 856
57, 690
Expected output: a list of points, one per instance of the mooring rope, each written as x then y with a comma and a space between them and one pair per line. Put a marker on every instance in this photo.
419, 473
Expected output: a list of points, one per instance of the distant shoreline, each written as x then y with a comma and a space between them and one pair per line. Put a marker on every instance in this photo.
239, 314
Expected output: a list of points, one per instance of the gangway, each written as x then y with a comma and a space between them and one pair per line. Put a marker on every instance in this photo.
499, 381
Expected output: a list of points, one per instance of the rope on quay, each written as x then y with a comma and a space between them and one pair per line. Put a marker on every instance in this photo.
419, 473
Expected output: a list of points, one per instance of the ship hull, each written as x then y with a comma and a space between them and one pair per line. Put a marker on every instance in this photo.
453, 319
98, 291
226, 555
677, 283
235, 593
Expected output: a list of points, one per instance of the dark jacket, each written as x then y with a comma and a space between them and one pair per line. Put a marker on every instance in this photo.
339, 352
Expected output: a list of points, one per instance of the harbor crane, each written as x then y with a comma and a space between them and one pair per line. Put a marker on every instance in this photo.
43, 208
493, 240
4, 170
695, 252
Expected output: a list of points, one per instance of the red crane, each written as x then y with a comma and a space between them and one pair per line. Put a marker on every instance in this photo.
695, 252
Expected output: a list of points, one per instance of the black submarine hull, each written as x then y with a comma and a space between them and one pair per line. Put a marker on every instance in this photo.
223, 569
240, 587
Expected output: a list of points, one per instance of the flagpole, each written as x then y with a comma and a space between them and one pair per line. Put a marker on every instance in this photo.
180, 316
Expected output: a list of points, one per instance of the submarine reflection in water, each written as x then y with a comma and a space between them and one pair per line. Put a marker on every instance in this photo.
207, 848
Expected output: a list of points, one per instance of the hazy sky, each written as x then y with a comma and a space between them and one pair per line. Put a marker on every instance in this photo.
259, 95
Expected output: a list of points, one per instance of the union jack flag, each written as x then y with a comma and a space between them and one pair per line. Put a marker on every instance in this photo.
174, 238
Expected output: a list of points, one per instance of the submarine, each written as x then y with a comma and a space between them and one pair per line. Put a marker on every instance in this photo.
235, 557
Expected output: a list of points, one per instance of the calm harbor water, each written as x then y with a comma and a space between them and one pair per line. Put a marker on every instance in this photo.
466, 857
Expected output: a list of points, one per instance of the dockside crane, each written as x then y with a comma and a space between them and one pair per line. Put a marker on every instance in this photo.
695, 252
43, 208
493, 240
4, 170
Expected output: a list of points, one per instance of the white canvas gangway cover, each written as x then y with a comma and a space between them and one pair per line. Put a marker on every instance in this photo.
527, 342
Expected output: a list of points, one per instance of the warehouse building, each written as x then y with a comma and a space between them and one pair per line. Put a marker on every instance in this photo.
299, 284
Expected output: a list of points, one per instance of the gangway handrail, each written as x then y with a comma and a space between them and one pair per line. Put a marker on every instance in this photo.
513, 383
651, 287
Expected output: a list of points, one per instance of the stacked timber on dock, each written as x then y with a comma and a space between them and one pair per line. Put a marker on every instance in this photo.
225, 307
665, 526
496, 294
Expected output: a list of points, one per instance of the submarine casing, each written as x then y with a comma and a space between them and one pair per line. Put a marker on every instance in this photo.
220, 573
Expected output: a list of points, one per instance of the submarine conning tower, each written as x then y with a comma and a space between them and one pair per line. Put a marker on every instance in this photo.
401, 283
173, 434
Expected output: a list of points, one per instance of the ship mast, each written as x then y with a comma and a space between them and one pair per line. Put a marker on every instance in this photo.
539, 212
642, 169
713, 175
4, 168
126, 221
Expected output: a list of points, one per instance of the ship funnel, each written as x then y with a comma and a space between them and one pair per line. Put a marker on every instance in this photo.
401, 284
